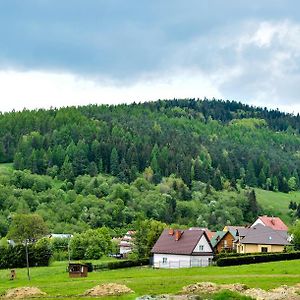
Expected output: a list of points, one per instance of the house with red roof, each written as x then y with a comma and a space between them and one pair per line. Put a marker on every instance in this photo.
273, 222
182, 249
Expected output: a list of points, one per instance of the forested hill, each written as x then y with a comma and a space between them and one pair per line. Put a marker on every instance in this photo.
218, 142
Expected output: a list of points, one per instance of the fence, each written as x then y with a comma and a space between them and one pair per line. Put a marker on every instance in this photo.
176, 264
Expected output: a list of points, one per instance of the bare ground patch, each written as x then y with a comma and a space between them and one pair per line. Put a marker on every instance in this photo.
108, 289
23, 292
280, 293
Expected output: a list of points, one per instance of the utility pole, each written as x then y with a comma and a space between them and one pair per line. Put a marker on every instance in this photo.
27, 259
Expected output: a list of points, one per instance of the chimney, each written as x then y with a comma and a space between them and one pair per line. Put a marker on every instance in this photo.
273, 221
171, 231
178, 234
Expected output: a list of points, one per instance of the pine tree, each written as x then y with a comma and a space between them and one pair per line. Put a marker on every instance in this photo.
216, 181
262, 178
67, 172
114, 162
197, 170
252, 205
250, 175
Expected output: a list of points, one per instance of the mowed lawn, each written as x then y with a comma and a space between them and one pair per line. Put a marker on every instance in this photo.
144, 280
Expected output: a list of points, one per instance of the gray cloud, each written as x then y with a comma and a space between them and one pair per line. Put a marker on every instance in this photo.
123, 41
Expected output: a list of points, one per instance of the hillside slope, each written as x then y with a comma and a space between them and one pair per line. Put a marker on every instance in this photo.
208, 141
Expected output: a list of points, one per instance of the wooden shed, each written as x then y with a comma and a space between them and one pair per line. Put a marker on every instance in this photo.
77, 270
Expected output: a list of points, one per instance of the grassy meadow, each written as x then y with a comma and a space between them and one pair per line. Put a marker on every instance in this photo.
144, 280
277, 203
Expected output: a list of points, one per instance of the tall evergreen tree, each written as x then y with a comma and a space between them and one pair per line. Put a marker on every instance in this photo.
114, 162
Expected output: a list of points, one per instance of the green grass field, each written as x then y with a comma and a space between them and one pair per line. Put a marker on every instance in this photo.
144, 280
277, 203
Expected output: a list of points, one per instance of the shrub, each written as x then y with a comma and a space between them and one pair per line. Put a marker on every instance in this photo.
118, 264
258, 258
14, 257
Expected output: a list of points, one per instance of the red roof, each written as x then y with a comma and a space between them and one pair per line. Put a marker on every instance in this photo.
273, 222
167, 244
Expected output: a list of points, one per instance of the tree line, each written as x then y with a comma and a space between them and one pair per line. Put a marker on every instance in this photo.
217, 142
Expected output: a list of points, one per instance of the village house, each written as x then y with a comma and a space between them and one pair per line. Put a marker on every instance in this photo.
182, 249
259, 238
274, 222
126, 243
223, 241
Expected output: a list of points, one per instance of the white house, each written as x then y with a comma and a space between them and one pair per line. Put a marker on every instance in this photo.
126, 243
182, 249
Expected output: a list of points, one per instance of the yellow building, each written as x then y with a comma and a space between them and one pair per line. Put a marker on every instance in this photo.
260, 238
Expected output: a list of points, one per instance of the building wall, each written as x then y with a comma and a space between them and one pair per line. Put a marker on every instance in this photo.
254, 248
172, 261
206, 247
258, 221
225, 243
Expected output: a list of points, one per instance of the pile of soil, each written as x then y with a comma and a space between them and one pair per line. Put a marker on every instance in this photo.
23, 292
210, 287
108, 289
201, 287
280, 293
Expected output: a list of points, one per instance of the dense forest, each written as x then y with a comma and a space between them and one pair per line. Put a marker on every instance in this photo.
186, 162
96, 201
220, 143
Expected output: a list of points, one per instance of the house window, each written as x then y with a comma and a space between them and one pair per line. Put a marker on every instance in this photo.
264, 249
201, 247
165, 260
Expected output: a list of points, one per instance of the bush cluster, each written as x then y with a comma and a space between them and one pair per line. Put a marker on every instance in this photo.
15, 257
234, 254
122, 264
257, 258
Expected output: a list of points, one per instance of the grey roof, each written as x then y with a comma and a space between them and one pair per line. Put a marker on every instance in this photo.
260, 234
166, 243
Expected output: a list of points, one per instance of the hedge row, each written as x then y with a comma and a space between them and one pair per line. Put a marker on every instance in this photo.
234, 254
15, 257
122, 264
258, 258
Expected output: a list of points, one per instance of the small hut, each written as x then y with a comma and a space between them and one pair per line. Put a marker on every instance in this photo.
77, 270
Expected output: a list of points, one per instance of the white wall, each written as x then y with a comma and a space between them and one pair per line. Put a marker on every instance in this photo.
258, 221
124, 250
203, 241
180, 261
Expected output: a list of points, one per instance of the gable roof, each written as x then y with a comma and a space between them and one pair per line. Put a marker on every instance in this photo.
220, 236
217, 237
273, 222
264, 235
167, 244
209, 233
233, 228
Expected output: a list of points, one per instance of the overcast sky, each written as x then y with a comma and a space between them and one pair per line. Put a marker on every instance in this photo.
74, 52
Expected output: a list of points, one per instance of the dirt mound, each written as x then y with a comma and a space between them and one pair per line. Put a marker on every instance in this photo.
23, 292
235, 287
109, 289
280, 293
210, 287
200, 287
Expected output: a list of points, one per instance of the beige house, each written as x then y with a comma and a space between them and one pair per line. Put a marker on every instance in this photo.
259, 238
